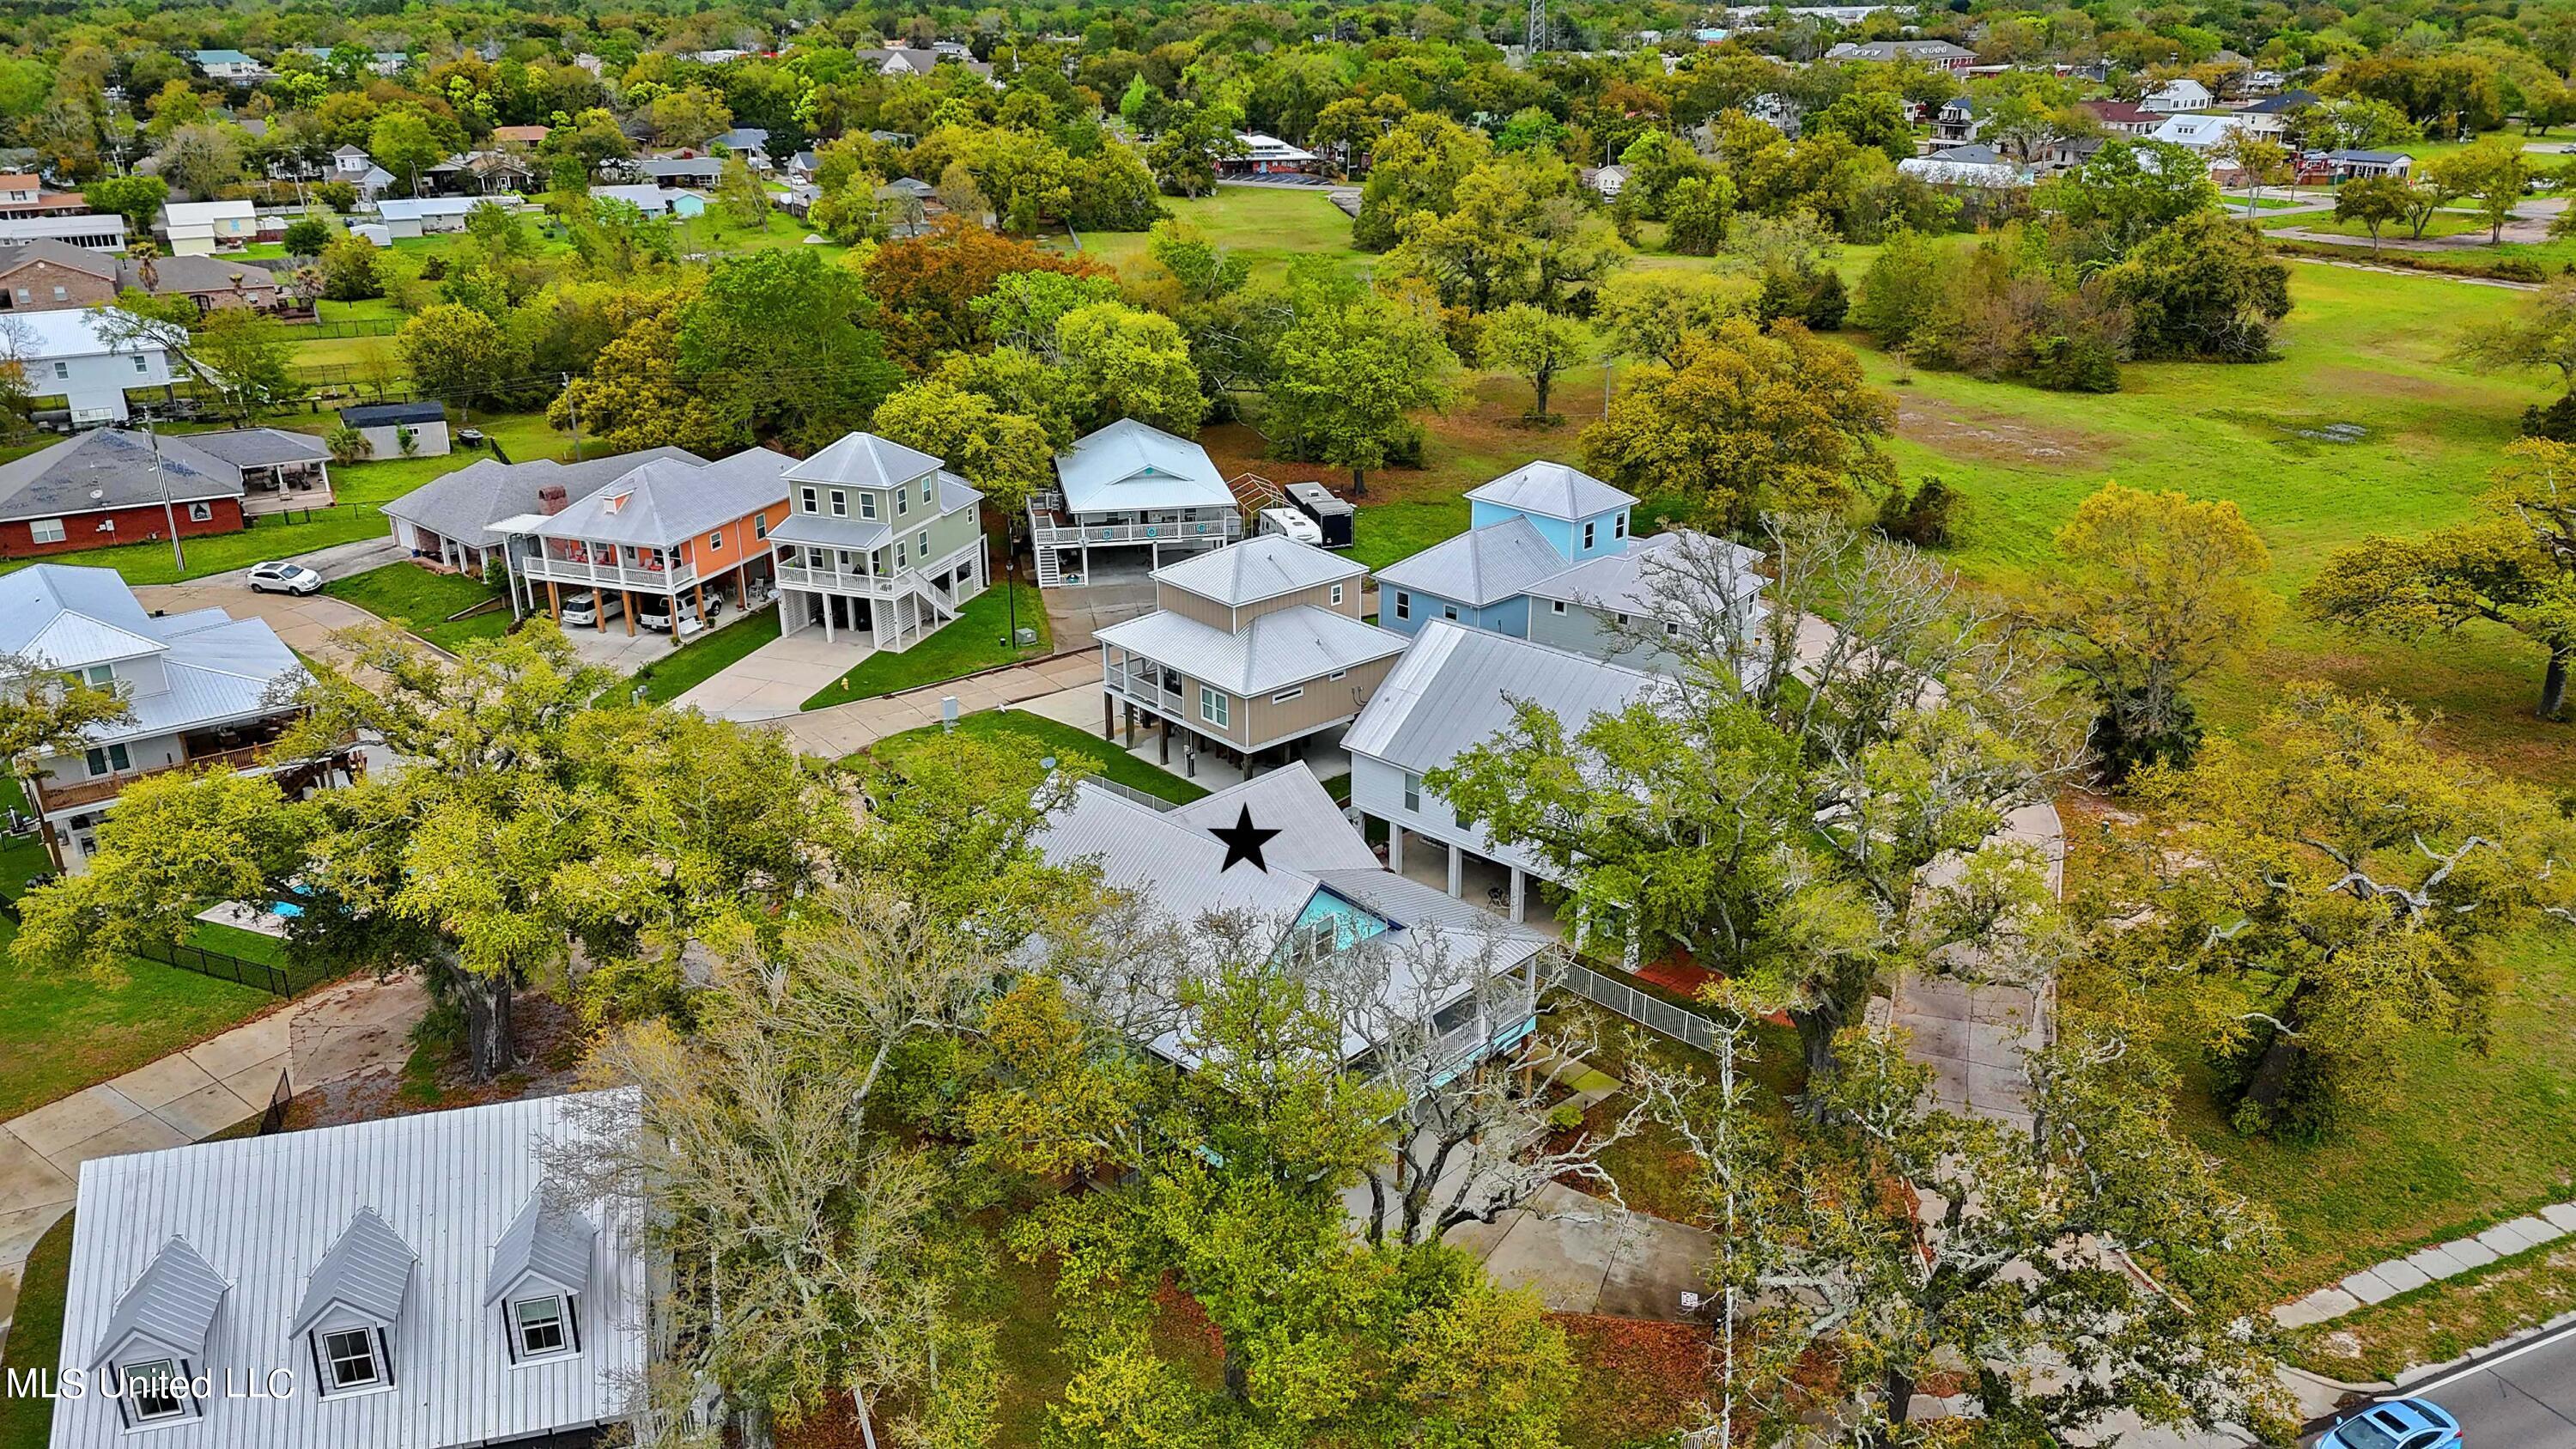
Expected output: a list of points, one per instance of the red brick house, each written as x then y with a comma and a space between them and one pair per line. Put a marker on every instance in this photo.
102, 488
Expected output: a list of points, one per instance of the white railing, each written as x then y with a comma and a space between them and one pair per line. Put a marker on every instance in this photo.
1224, 529
620, 576
875, 586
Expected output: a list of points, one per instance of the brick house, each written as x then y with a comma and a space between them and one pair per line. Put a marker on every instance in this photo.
101, 487
46, 275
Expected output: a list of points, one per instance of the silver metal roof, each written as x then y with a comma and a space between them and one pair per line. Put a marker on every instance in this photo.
1552, 490
1479, 567
549, 1239
1262, 567
858, 535
172, 1304
1641, 578
1313, 835
264, 1212
1457, 687
112, 468
1130, 465
1278, 649
367, 1272
71, 614
864, 460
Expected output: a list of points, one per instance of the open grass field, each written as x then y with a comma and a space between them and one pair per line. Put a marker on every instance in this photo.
978, 638
2442, 223
1065, 743
418, 600
1269, 226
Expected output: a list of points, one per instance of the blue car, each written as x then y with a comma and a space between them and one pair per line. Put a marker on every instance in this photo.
2396, 1424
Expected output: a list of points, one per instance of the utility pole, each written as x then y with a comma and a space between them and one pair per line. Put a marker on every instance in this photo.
169, 511
573, 406
1535, 40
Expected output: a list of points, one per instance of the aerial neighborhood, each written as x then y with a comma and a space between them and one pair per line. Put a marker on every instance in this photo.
1554, 725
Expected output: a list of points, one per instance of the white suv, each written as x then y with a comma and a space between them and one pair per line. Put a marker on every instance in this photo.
585, 607
279, 577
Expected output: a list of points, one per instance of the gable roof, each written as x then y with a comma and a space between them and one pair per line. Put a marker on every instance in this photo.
864, 460
1633, 581
266, 1211
1479, 567
1131, 465
66, 614
1313, 835
367, 1271
260, 447
464, 505
101, 265
112, 468
1552, 490
666, 500
69, 332
1278, 649
549, 1239
173, 1304
1457, 687
1261, 567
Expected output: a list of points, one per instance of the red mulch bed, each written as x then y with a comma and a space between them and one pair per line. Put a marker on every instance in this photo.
1640, 1378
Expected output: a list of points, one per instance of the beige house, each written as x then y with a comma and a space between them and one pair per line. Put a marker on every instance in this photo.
1252, 647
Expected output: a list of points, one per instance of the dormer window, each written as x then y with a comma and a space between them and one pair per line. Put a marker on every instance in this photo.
350, 1359
542, 1326
156, 1391
539, 1269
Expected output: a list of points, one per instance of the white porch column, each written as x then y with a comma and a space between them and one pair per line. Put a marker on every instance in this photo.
1457, 870
827, 618
1519, 883
1395, 845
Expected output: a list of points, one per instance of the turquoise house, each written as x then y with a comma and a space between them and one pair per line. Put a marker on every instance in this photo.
1524, 528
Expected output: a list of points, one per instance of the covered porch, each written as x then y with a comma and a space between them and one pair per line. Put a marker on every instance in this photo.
1499, 886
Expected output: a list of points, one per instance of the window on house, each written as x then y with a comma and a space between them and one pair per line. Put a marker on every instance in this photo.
1337, 593
109, 760
201, 512
841, 503
1285, 695
539, 1322
1672, 629
62, 371
1619, 525
760, 525
805, 499
154, 1390
349, 1358
925, 490
902, 502
867, 505
1318, 938
62, 294
1589, 530
1403, 605
1412, 791
46, 530
101, 675
1556, 606
1623, 620
142, 363
921, 545
715, 541
1215, 708
1449, 612
1339, 674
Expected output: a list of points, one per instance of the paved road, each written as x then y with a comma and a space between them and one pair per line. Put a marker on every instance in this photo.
2523, 1397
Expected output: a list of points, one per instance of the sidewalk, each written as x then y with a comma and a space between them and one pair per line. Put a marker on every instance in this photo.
843, 729
189, 1096
2427, 1265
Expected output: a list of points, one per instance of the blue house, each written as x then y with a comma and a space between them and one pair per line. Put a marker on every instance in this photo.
1525, 527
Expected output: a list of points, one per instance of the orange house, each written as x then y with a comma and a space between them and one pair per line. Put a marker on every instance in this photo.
670, 540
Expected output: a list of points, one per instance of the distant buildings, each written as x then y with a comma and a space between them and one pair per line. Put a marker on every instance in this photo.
229, 65
1938, 54
2175, 97
434, 215
65, 356
653, 200
88, 231
107, 486
1266, 156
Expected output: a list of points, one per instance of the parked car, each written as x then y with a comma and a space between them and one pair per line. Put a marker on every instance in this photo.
2396, 1424
279, 577
655, 611
586, 608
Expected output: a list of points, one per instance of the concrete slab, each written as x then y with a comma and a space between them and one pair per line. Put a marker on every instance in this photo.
243, 1047
2403, 1276
2368, 1286
2561, 1215
142, 1134
56, 1126
202, 1114
28, 1180
2470, 1253
350, 1028
2317, 1307
2438, 1261
1653, 1264
19, 1230
157, 1084
2521, 1235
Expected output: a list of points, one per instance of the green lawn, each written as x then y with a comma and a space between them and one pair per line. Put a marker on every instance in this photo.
2369, 349
413, 597
366, 309
2442, 223
978, 639
1066, 744
36, 1336
693, 663
1267, 226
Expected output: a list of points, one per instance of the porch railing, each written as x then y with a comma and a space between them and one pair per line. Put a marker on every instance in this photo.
1653, 1013
620, 576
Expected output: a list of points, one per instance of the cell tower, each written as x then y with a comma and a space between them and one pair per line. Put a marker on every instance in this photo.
1536, 40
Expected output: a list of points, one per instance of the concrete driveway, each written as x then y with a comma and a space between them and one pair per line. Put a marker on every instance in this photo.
775, 680
306, 624
341, 560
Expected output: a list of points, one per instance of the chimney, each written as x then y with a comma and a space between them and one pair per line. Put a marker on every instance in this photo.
551, 500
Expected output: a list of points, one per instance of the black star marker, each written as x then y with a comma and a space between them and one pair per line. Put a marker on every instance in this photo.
1243, 842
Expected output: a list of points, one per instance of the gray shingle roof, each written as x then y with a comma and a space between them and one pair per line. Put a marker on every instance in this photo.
1552, 490
172, 1304
864, 460
368, 1272
261, 447
174, 275
101, 265
549, 1239
1278, 649
463, 505
1263, 567
1457, 687
1479, 567
667, 500
116, 466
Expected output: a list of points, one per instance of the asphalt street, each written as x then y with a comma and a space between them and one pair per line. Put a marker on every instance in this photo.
2523, 1397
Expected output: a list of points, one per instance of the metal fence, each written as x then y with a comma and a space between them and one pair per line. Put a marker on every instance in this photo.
1652, 1012
1150, 802
275, 980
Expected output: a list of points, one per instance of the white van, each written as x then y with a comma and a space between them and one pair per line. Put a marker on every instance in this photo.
585, 608
1290, 523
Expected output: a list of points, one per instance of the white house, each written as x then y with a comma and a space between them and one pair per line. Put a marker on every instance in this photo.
1129, 487
202, 228
352, 164
205, 689
1454, 689
1979, 166
421, 1281
653, 200
1266, 155
64, 356
228, 65
432, 215
90, 232
2177, 96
